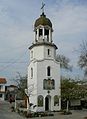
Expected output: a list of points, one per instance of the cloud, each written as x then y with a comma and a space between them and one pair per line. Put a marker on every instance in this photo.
17, 17
70, 26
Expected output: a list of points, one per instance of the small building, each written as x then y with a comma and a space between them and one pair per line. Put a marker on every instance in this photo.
10, 92
2, 88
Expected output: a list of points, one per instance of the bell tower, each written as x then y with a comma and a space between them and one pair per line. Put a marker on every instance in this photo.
44, 70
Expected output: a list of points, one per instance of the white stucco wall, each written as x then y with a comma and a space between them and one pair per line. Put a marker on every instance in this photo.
41, 52
2, 91
39, 74
39, 63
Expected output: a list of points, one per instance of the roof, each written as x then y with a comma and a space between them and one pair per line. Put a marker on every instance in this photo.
12, 86
42, 20
3, 81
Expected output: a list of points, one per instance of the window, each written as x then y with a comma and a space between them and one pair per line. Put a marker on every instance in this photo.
40, 101
31, 54
40, 32
31, 72
48, 51
48, 71
56, 100
0, 95
48, 84
47, 34
44, 84
53, 84
46, 31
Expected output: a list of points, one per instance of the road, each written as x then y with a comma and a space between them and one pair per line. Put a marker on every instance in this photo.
6, 113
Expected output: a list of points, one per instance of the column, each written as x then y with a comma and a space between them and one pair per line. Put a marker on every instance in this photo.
49, 35
37, 34
35, 37
43, 33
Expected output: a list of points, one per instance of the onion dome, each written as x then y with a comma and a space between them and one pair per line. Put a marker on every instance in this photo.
42, 20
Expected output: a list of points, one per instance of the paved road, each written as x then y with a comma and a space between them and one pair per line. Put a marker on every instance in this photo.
5, 113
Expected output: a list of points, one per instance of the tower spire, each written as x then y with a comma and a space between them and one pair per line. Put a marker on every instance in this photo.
42, 8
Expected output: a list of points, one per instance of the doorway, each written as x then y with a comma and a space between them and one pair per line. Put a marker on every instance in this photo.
48, 103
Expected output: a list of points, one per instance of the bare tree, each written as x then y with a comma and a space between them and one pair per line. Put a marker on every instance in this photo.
64, 62
21, 82
83, 57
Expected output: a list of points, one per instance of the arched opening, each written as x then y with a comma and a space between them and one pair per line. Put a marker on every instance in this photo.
47, 34
40, 101
47, 103
56, 100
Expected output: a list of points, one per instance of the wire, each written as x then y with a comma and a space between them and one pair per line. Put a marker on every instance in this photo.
13, 62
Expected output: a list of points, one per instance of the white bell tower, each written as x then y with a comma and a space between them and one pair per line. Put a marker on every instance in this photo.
44, 70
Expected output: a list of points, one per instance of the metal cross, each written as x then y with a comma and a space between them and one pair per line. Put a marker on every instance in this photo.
42, 7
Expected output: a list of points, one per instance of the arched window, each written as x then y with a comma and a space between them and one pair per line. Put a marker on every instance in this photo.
40, 101
44, 84
56, 100
31, 72
48, 71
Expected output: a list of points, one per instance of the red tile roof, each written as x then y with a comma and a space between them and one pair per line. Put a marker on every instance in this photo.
3, 81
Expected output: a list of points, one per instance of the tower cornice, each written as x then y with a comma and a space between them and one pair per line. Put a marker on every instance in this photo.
43, 43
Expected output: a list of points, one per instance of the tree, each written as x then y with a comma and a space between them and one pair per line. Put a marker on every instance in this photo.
64, 62
71, 89
67, 90
21, 84
83, 57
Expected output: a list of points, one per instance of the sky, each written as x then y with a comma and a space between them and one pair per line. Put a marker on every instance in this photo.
17, 18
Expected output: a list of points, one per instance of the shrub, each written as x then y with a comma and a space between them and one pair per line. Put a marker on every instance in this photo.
85, 117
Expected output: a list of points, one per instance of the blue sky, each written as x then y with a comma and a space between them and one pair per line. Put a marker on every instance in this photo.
17, 17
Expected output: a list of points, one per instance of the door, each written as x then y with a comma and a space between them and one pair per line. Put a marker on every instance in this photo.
48, 103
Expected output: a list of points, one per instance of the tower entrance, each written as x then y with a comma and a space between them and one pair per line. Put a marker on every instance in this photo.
48, 103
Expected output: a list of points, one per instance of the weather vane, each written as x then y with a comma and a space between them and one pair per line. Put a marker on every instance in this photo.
42, 8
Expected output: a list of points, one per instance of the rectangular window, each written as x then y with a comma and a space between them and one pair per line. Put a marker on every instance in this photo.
31, 54
48, 71
31, 72
49, 52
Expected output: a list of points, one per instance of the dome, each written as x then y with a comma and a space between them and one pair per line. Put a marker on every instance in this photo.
43, 21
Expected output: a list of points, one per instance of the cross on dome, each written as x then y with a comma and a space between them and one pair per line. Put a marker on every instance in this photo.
42, 8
